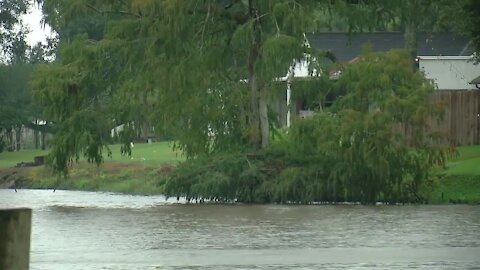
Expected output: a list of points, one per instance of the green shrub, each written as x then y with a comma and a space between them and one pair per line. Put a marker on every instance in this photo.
357, 151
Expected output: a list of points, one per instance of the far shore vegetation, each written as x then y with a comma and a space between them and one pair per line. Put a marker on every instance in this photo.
146, 171
211, 77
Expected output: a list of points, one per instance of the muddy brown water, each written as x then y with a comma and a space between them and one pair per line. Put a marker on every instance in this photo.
86, 230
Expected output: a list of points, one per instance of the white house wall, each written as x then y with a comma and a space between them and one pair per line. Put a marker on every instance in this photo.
301, 69
449, 72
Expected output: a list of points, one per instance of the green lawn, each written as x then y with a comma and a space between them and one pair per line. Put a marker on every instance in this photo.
9, 159
149, 153
467, 163
461, 183
457, 189
144, 153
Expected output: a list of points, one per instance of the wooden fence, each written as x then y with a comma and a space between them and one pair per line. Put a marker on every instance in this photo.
461, 122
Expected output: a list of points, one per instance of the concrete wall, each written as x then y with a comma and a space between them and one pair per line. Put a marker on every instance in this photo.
450, 72
15, 231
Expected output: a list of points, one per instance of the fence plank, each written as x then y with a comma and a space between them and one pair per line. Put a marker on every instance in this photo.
461, 120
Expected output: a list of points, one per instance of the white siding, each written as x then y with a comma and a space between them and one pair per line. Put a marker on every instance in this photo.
450, 72
301, 69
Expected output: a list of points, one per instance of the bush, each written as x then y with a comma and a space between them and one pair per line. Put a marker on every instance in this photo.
371, 156
357, 151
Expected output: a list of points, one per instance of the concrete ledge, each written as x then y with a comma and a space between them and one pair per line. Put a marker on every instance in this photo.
15, 231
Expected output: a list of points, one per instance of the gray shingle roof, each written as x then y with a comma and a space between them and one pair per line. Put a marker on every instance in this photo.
346, 47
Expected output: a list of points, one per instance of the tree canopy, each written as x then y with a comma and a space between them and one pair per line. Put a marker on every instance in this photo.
13, 46
205, 73
202, 72
372, 145
472, 9
192, 68
17, 63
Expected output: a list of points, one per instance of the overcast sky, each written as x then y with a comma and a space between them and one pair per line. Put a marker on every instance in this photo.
37, 31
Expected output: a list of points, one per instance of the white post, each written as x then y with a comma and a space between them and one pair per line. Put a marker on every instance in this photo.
289, 93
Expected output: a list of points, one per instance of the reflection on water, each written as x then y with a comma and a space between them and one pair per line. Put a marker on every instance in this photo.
85, 230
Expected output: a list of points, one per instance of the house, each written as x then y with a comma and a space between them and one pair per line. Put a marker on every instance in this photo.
444, 57
450, 72
346, 47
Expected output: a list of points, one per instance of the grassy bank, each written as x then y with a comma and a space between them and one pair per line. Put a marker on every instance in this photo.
144, 173
460, 182
10, 159
155, 153
131, 178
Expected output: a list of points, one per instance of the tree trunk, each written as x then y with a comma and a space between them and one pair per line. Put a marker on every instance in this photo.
18, 138
35, 135
43, 136
411, 38
11, 146
259, 109
145, 130
254, 110
260, 132
263, 110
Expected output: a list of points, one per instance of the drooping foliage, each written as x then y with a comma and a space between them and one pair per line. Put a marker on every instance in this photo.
204, 72
472, 11
379, 137
200, 71
376, 143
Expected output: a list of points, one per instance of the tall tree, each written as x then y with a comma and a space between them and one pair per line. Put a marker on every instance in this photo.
202, 70
13, 78
472, 22
12, 33
196, 68
16, 108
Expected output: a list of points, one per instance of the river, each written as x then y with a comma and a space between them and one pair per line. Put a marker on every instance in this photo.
75, 230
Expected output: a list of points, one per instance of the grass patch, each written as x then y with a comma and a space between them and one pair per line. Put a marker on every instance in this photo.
155, 153
110, 177
467, 162
469, 167
460, 182
10, 159
467, 152
457, 189
147, 153
141, 173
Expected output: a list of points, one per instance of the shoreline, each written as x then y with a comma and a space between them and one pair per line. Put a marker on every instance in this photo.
148, 179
